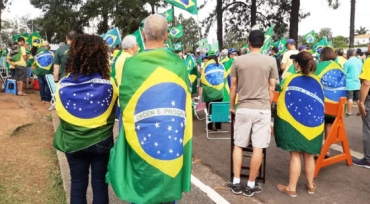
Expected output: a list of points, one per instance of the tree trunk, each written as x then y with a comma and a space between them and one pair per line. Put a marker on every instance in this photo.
352, 24
219, 24
294, 19
153, 8
254, 13
105, 23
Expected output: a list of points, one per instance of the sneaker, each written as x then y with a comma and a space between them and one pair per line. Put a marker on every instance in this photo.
349, 115
235, 188
283, 189
251, 191
361, 163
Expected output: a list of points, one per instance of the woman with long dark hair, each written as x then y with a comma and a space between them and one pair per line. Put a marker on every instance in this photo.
86, 99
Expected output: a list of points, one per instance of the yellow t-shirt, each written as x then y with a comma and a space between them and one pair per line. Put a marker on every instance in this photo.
120, 62
22, 61
365, 74
287, 61
341, 61
10, 66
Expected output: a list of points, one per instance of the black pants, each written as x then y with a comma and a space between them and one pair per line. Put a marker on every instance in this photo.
210, 125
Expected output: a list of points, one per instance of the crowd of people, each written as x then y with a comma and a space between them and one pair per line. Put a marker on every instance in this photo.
92, 92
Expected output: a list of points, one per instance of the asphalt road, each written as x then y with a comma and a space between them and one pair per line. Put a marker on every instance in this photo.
337, 183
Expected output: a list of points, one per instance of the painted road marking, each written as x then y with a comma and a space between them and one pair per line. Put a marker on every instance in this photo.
212, 194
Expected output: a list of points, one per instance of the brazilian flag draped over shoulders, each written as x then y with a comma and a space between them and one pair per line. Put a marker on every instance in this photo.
151, 160
299, 122
333, 80
85, 106
212, 80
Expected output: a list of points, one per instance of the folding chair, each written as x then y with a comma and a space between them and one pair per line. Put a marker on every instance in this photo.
52, 87
221, 114
198, 105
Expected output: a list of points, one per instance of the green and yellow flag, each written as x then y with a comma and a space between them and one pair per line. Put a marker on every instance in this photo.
310, 38
178, 46
139, 39
85, 107
268, 37
193, 72
168, 15
187, 5
299, 122
212, 79
176, 32
333, 80
24, 35
35, 39
151, 160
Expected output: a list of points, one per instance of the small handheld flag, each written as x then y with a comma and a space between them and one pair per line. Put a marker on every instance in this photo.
112, 37
187, 5
176, 32
168, 15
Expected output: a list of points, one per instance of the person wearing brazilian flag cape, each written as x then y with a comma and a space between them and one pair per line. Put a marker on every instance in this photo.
151, 159
333, 80
299, 122
85, 101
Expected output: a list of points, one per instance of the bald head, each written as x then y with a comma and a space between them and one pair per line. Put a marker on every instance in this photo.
155, 28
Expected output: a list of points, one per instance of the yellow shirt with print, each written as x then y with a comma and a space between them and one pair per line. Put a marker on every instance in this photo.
365, 74
22, 61
120, 62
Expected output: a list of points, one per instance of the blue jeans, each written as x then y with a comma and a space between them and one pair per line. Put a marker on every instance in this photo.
118, 110
96, 156
44, 89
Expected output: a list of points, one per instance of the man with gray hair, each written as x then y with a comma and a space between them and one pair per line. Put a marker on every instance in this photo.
243, 51
152, 159
352, 68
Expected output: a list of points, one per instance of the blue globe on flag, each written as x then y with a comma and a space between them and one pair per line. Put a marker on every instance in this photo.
160, 121
44, 59
36, 41
86, 101
310, 39
303, 102
334, 84
109, 40
214, 74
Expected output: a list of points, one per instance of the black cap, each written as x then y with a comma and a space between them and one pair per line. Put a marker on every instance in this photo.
256, 35
293, 57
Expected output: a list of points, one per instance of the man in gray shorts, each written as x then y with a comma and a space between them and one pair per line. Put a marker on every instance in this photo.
254, 76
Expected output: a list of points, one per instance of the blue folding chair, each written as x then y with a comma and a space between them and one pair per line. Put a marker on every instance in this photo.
52, 87
221, 114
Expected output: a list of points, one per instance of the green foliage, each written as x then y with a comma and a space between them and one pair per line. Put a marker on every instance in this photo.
340, 41
325, 32
361, 31
191, 32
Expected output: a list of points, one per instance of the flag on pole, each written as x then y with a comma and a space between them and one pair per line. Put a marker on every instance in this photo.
281, 44
267, 43
168, 45
35, 39
152, 157
187, 5
168, 15
178, 46
203, 43
320, 45
23, 35
176, 32
310, 37
139, 39
112, 37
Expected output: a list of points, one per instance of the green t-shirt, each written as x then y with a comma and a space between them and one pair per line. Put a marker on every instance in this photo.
60, 58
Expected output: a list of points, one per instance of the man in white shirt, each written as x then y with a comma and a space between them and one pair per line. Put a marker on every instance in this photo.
286, 62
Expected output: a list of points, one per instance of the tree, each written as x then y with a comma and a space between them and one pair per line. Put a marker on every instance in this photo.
191, 34
352, 24
325, 32
340, 41
361, 31
3, 5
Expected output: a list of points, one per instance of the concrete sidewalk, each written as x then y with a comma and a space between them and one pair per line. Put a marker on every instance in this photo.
195, 196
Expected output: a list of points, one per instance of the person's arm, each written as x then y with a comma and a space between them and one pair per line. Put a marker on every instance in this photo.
364, 91
284, 62
234, 84
345, 68
56, 62
272, 84
8, 60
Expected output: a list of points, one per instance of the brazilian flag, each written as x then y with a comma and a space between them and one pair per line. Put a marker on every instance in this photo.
42, 61
85, 107
333, 80
310, 37
176, 32
168, 15
289, 72
151, 160
23, 35
35, 39
192, 71
139, 39
227, 62
212, 80
187, 5
299, 122
112, 37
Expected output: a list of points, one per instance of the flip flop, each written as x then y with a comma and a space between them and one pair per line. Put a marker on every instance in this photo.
22, 94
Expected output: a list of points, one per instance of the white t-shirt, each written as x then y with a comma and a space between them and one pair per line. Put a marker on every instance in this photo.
287, 61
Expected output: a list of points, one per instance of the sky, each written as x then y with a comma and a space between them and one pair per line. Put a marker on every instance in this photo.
321, 15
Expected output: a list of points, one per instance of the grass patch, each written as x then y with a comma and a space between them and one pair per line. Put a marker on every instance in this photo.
49, 117
56, 194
